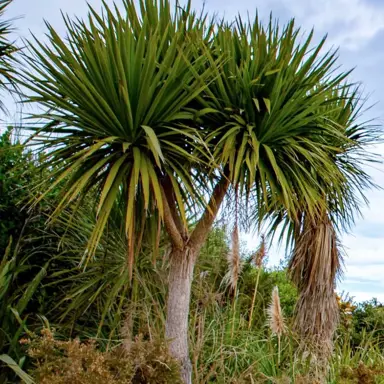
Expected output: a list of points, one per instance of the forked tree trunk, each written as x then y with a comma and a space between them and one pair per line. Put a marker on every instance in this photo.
179, 293
185, 250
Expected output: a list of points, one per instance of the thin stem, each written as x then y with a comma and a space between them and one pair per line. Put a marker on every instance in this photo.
254, 298
234, 312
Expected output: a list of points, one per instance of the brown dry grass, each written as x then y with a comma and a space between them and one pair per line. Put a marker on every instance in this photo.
75, 362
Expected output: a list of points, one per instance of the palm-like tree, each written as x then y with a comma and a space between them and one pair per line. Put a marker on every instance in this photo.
165, 114
316, 259
310, 174
118, 125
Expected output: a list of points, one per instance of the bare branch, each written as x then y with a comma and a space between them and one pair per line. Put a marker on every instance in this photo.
205, 223
170, 196
171, 227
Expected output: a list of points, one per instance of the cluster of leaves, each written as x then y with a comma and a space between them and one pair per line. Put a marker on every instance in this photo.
7, 53
246, 103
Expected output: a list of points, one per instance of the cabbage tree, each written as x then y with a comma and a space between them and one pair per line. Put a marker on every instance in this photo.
316, 260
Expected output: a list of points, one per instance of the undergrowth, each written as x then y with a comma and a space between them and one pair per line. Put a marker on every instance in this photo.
82, 362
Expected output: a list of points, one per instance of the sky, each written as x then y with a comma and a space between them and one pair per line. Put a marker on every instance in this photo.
357, 28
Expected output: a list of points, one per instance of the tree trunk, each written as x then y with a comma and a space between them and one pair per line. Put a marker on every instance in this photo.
313, 268
185, 250
182, 263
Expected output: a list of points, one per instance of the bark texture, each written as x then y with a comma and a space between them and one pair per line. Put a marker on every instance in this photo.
180, 282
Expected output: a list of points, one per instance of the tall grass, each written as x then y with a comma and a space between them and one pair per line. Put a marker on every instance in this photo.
259, 256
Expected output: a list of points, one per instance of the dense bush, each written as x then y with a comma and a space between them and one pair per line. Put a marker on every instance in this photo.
21, 269
16, 172
368, 316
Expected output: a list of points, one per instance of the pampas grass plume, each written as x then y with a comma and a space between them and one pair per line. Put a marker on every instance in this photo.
234, 261
275, 314
261, 253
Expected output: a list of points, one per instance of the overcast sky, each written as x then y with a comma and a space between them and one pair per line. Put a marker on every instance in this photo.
357, 27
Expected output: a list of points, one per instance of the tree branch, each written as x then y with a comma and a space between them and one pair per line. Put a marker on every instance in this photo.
204, 225
170, 196
170, 226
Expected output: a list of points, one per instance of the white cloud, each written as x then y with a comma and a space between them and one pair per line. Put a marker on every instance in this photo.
350, 23
30, 15
365, 273
367, 296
